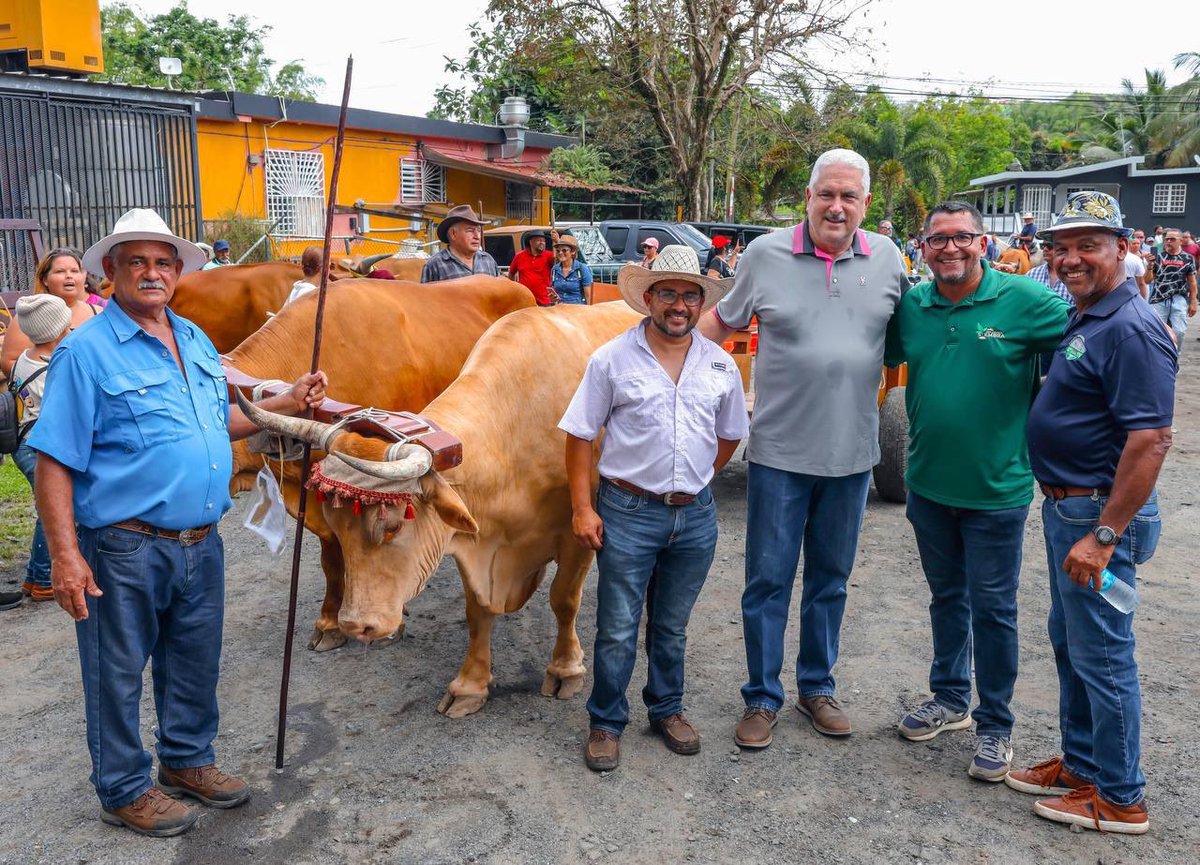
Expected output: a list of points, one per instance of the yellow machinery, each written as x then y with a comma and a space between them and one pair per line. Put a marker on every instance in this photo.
57, 37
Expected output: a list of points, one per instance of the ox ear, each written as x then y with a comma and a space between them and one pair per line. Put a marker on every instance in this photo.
447, 503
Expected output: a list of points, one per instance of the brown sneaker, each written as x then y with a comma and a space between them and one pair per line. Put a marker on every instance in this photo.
1047, 778
754, 730
207, 783
678, 734
826, 715
152, 813
40, 594
603, 752
1086, 808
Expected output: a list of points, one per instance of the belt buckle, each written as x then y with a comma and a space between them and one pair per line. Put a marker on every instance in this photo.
191, 536
669, 499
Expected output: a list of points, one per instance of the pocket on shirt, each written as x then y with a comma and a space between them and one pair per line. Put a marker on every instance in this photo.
215, 387
144, 393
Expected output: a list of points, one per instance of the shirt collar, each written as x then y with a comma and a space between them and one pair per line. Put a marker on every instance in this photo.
802, 243
125, 328
639, 335
1114, 300
988, 289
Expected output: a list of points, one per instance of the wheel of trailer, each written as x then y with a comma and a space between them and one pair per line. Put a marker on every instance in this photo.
893, 447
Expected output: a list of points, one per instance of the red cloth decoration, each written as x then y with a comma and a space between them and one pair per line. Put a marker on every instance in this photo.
326, 486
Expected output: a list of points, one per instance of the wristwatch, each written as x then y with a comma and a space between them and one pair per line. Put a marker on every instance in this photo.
1105, 536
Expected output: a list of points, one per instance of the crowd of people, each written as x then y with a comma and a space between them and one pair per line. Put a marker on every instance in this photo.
128, 454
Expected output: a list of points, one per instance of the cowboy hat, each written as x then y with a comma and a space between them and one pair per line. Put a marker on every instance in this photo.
673, 262
462, 213
1089, 210
531, 234
143, 224
568, 241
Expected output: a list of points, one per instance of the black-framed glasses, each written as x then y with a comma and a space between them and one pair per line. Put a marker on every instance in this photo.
670, 295
962, 239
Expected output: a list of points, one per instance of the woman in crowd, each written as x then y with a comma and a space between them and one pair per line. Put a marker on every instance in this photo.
718, 266
570, 278
60, 274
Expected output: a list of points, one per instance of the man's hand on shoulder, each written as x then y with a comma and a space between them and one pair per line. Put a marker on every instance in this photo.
588, 528
72, 578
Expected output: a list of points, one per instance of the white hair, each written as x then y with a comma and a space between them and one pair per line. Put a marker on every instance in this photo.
841, 156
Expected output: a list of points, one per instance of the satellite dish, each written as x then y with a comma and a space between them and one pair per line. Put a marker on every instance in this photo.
170, 65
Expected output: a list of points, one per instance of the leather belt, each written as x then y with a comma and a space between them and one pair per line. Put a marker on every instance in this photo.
672, 499
186, 537
1057, 493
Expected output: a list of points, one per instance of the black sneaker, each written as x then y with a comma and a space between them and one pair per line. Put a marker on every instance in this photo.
8, 600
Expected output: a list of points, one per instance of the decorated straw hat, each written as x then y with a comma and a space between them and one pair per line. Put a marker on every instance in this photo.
1089, 210
143, 224
673, 262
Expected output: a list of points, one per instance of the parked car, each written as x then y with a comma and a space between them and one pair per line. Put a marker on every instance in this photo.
735, 231
503, 243
626, 236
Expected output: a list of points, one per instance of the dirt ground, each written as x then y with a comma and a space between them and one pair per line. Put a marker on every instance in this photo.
375, 775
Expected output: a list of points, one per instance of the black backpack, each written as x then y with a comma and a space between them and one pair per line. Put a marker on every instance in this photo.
12, 431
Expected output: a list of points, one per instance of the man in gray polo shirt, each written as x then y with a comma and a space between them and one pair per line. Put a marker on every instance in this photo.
823, 293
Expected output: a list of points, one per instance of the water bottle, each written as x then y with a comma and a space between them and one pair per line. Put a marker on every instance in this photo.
1119, 593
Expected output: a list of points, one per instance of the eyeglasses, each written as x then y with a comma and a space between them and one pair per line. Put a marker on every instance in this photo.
690, 298
962, 239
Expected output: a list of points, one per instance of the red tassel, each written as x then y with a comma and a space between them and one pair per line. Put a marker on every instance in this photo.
356, 508
320, 495
409, 513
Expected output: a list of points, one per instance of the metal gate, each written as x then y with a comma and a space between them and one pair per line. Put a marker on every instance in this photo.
75, 166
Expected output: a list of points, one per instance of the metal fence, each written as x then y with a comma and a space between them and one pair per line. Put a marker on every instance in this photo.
75, 166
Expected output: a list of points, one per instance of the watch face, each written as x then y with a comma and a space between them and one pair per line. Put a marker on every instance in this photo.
1105, 535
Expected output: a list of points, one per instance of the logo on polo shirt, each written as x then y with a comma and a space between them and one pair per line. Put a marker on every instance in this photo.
1075, 348
986, 332
720, 364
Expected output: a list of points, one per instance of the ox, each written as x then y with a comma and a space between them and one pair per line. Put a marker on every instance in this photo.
503, 514
385, 344
230, 303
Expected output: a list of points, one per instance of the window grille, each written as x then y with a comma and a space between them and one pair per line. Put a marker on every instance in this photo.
1036, 200
1169, 198
518, 201
296, 192
422, 182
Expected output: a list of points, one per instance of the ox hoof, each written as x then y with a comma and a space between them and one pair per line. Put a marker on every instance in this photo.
326, 641
461, 706
564, 688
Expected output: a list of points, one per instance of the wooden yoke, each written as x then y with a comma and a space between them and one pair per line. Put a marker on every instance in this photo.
399, 425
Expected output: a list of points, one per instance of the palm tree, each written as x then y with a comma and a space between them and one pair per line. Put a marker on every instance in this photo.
1178, 130
1127, 125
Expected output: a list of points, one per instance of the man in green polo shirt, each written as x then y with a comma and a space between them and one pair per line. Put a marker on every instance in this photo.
971, 339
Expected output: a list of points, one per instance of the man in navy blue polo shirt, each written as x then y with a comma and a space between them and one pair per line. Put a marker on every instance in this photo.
1098, 433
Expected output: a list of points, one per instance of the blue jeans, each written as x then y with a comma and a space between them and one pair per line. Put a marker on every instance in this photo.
1099, 698
784, 509
1173, 311
656, 554
161, 601
37, 571
972, 562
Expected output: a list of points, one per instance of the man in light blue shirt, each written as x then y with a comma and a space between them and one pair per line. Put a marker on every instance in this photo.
132, 476
220, 256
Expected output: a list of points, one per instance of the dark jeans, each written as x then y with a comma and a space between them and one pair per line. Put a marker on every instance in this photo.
161, 601
784, 509
972, 562
38, 569
1099, 697
658, 555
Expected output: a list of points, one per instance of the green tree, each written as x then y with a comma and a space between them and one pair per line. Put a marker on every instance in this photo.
1177, 128
215, 56
1126, 125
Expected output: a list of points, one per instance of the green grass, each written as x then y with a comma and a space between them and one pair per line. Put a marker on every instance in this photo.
16, 519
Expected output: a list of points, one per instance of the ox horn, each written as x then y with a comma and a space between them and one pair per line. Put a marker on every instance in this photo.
314, 432
404, 462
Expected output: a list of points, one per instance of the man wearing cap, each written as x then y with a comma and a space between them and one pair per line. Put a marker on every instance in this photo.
823, 293
972, 338
1173, 295
462, 232
220, 256
1098, 433
132, 477
672, 409
649, 251
531, 266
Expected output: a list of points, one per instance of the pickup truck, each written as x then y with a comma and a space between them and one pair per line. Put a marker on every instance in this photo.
504, 242
626, 236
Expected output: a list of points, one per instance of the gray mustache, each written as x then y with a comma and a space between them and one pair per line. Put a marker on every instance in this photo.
152, 283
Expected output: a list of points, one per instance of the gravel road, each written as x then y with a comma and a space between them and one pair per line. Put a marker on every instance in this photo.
375, 775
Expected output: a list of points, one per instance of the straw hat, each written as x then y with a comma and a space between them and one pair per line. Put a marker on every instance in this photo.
1089, 209
143, 224
673, 262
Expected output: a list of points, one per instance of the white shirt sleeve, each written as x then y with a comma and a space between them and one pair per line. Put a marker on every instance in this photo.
733, 421
591, 406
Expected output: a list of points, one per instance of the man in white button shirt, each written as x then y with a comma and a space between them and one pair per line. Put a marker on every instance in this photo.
672, 407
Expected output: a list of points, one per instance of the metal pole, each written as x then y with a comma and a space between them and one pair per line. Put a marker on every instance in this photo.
316, 358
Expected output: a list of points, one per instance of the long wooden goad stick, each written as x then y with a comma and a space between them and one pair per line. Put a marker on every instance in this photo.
316, 358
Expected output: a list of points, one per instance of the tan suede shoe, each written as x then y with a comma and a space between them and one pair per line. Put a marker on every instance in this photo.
207, 783
153, 813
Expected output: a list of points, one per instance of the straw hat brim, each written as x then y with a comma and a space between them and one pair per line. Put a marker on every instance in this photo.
633, 280
190, 254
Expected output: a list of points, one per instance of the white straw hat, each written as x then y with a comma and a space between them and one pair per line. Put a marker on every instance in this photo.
674, 262
143, 224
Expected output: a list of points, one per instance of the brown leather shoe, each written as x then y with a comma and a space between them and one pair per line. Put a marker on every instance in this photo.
678, 734
603, 751
826, 715
1047, 778
207, 783
754, 730
153, 813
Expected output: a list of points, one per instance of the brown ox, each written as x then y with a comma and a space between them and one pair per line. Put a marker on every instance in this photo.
503, 514
385, 344
230, 303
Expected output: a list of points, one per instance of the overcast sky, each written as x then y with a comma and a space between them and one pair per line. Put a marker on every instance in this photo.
399, 46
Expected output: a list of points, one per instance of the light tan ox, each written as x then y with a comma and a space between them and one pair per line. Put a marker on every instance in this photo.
504, 514
386, 344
